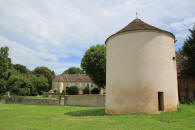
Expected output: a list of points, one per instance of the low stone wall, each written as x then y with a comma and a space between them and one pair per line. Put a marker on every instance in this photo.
85, 100
16, 100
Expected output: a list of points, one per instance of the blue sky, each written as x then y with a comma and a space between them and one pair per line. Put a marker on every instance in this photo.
57, 33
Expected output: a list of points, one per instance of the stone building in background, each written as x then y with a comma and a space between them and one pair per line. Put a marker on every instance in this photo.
61, 82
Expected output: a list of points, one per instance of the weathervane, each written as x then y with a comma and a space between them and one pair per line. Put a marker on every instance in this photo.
136, 15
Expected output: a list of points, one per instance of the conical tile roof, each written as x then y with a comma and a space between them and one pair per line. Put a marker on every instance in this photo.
138, 24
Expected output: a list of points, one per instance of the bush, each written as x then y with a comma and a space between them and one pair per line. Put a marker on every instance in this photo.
72, 90
86, 90
24, 91
95, 91
187, 101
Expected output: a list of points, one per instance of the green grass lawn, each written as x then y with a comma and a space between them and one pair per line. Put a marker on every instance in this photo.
17, 116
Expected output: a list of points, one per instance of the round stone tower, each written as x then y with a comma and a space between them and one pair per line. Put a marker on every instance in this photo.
141, 72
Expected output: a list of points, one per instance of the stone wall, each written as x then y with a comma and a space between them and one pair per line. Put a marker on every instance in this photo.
16, 100
85, 100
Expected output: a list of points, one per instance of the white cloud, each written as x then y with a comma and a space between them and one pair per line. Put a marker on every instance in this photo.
40, 32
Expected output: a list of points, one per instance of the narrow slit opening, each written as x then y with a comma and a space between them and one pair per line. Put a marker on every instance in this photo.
160, 101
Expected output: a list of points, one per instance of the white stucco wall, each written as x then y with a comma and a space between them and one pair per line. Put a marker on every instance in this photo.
139, 65
58, 86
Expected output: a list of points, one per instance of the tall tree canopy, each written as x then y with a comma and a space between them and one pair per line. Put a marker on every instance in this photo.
5, 68
73, 70
188, 51
94, 64
19, 80
46, 72
21, 68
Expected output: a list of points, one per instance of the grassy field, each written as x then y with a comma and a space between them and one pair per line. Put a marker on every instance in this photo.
17, 116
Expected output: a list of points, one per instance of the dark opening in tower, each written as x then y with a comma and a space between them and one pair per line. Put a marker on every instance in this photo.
160, 101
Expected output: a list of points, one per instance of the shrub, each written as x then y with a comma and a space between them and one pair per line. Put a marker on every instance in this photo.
95, 91
23, 91
72, 90
86, 90
187, 101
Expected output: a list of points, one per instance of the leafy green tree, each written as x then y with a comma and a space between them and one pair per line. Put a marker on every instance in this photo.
20, 85
94, 64
21, 68
47, 73
5, 68
73, 70
40, 84
188, 51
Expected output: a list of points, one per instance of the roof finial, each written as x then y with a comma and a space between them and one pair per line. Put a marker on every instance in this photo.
136, 15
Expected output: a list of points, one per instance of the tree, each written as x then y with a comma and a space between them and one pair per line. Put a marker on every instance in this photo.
188, 51
5, 68
40, 84
20, 85
94, 64
73, 70
47, 73
21, 68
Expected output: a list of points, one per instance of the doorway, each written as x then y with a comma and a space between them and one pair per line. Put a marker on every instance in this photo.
160, 101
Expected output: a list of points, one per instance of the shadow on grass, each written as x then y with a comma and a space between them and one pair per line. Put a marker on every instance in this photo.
93, 112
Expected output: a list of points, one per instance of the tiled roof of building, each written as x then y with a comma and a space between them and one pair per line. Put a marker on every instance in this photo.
72, 78
138, 24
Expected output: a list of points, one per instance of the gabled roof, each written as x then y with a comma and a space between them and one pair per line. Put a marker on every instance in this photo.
138, 24
72, 78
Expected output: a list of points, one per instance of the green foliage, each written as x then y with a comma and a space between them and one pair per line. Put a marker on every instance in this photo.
73, 70
3, 86
86, 90
95, 91
40, 83
5, 68
187, 101
94, 64
19, 80
47, 73
20, 85
72, 90
188, 51
21, 68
